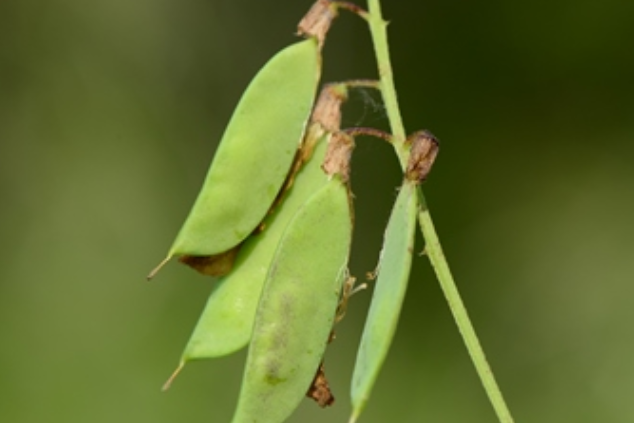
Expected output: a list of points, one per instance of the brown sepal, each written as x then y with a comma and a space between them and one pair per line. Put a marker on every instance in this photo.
327, 111
423, 152
337, 160
317, 21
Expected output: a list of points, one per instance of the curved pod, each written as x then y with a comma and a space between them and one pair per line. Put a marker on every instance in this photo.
297, 307
395, 263
226, 323
255, 154
393, 274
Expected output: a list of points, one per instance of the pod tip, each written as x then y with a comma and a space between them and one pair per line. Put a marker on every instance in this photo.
169, 381
159, 267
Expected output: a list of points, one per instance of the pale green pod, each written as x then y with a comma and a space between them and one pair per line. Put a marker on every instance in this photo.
255, 154
393, 274
297, 307
226, 322
393, 271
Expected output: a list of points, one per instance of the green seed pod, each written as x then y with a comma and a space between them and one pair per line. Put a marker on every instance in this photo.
297, 308
226, 323
393, 273
258, 147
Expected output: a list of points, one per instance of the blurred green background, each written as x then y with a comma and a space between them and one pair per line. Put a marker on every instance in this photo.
109, 115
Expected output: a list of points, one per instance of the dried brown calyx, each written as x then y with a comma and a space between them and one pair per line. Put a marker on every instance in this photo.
317, 21
325, 118
423, 152
337, 160
327, 111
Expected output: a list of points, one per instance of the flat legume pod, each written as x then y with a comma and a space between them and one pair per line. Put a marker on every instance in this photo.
389, 292
393, 272
226, 323
255, 153
297, 307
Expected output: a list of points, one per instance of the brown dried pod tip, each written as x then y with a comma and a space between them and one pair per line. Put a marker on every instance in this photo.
423, 152
317, 21
319, 390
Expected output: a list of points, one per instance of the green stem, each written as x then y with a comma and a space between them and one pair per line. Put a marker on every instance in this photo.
433, 248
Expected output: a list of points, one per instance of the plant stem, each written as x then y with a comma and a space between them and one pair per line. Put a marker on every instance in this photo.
433, 247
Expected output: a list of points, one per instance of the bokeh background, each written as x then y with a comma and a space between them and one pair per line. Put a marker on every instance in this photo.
109, 115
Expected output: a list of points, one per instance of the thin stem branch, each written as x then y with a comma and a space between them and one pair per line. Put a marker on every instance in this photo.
433, 247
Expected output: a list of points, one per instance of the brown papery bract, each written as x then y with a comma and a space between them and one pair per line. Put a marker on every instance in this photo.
317, 21
337, 161
423, 152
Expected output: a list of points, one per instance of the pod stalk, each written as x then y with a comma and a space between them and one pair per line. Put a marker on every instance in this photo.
370, 132
318, 20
